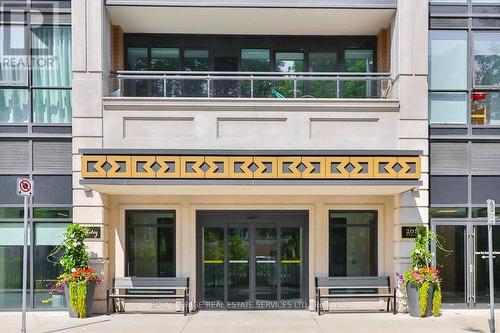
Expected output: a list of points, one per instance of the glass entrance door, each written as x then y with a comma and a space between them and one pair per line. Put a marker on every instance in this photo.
258, 264
463, 269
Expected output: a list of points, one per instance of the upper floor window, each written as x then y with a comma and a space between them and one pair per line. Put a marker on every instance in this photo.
45, 96
448, 59
487, 59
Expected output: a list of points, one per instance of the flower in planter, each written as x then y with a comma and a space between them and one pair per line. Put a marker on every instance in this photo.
422, 276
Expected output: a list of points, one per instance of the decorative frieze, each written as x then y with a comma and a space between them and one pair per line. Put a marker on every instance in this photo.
251, 167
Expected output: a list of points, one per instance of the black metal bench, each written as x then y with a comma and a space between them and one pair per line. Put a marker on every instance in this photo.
141, 285
365, 286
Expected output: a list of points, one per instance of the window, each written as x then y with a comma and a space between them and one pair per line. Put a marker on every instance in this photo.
448, 60
165, 59
289, 62
448, 108
51, 63
196, 60
322, 62
358, 61
485, 108
150, 243
256, 60
487, 59
448, 212
45, 270
353, 243
137, 58
14, 64
11, 264
14, 105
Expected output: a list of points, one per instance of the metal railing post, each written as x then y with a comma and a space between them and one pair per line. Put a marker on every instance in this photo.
208, 86
294, 86
251, 86
120, 86
165, 86
338, 87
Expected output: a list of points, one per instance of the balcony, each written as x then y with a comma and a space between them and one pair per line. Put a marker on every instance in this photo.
274, 85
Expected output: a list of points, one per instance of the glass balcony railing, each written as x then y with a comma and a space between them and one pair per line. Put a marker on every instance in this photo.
277, 85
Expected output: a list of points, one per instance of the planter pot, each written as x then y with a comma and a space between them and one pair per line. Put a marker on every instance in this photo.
90, 295
413, 303
57, 301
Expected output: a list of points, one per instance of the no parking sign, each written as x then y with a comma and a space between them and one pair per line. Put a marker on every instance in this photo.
24, 187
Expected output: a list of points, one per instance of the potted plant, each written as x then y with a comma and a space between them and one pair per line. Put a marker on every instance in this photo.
422, 281
78, 280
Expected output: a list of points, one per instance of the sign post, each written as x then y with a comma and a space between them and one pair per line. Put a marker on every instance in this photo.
25, 189
491, 222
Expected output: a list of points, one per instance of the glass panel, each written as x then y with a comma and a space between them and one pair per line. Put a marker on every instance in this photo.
486, 22
11, 234
256, 60
226, 60
482, 274
195, 60
49, 233
11, 274
238, 278
213, 265
12, 212
485, 108
288, 62
46, 267
451, 262
150, 243
266, 250
52, 106
291, 263
353, 243
14, 106
483, 212
358, 61
165, 59
13, 59
448, 108
487, 59
448, 59
52, 213
51, 56
448, 212
137, 58
322, 62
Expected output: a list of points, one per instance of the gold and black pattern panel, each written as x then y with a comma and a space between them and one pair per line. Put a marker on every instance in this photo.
251, 167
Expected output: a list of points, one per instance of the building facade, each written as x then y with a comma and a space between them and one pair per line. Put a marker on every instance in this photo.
464, 95
35, 141
250, 148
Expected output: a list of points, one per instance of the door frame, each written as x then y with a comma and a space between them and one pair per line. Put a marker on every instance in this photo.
304, 223
469, 261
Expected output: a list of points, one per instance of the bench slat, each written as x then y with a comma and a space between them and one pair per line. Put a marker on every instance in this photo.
356, 295
150, 282
353, 282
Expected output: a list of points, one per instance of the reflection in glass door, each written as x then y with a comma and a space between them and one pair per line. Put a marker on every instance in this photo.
238, 280
275, 277
450, 260
266, 268
481, 273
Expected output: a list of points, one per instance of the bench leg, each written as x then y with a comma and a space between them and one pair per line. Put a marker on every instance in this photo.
186, 305
394, 305
113, 304
388, 303
107, 302
318, 297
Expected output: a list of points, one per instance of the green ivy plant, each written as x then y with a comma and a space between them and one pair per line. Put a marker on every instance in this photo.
422, 276
75, 252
